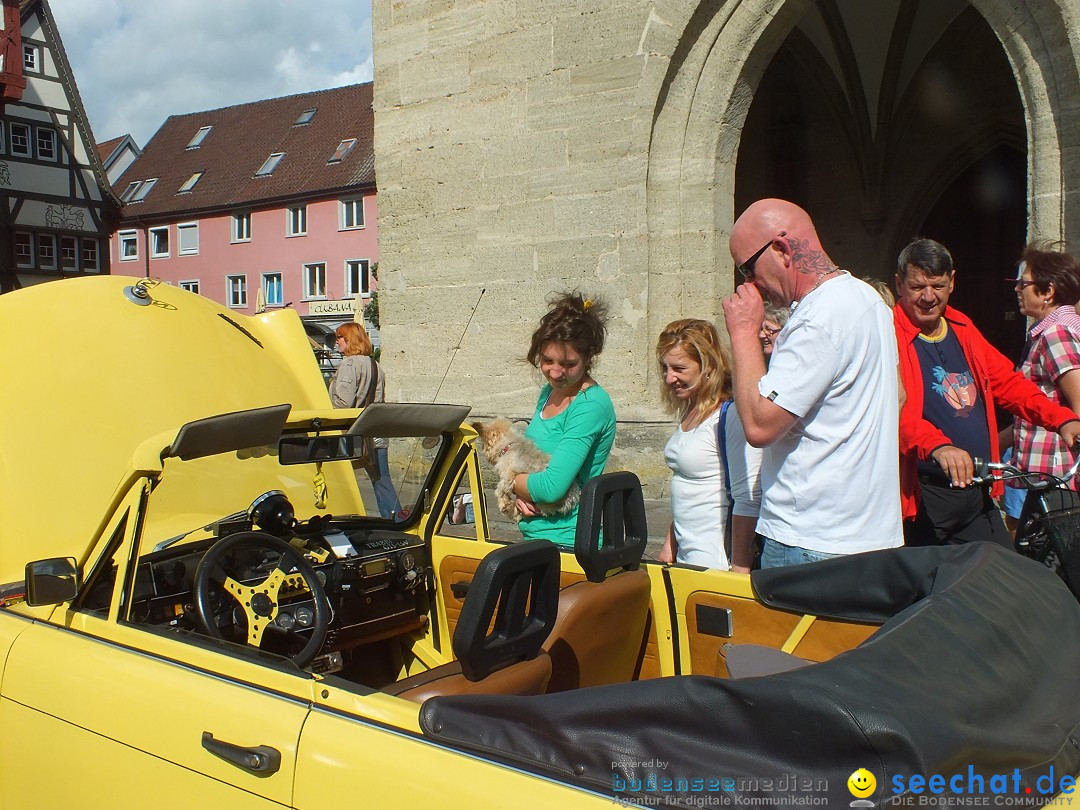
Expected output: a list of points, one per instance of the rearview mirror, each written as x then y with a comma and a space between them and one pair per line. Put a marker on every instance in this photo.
52, 581
308, 449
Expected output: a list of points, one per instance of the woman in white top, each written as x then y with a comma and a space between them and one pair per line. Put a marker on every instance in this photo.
697, 382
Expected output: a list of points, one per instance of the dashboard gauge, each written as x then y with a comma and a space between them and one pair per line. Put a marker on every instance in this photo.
322, 577
304, 616
286, 621
407, 561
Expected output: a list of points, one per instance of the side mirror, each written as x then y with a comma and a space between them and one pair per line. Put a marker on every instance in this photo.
52, 581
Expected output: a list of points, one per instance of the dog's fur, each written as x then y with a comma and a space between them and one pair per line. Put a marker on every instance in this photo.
511, 453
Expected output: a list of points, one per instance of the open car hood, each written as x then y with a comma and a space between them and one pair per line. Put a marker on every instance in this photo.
977, 666
90, 374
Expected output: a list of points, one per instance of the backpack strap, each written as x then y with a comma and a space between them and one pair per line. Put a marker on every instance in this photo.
721, 444
373, 370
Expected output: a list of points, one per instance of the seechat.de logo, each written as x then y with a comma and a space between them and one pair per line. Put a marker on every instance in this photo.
861, 784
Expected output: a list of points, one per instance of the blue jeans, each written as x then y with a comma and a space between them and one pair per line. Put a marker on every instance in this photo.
777, 554
385, 495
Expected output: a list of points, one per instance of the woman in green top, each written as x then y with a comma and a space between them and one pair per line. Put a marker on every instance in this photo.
574, 421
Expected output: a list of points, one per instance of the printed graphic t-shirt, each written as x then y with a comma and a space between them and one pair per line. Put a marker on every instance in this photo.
951, 399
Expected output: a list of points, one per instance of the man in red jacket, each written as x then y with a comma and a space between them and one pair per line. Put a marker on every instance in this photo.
954, 378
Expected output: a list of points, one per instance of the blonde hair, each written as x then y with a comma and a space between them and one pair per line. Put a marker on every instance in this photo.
356, 339
701, 342
882, 289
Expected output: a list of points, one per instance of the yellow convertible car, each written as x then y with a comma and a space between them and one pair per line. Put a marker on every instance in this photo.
197, 609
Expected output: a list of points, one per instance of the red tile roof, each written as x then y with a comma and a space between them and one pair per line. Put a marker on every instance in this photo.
107, 148
240, 141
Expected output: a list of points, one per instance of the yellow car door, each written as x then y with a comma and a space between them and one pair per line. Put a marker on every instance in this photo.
122, 714
139, 716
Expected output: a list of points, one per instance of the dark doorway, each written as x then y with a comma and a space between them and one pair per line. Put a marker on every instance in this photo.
982, 219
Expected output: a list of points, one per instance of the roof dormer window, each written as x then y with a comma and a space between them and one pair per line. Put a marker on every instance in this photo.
200, 136
143, 190
305, 117
343, 150
271, 163
189, 184
129, 192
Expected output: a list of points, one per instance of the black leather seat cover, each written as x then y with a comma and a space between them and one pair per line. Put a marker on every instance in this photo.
977, 664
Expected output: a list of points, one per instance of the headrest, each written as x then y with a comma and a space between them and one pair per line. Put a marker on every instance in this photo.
611, 529
522, 581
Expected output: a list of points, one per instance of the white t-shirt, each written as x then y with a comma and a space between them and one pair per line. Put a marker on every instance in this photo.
699, 503
832, 482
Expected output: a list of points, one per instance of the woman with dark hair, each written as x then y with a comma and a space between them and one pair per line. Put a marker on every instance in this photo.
357, 382
1047, 289
574, 422
716, 485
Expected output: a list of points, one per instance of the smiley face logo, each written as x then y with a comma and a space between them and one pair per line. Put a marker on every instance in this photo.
861, 783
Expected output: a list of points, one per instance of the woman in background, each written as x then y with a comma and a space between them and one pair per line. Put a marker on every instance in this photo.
357, 382
716, 486
1047, 288
775, 318
574, 421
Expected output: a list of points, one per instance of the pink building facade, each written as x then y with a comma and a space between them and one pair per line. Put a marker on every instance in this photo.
314, 256
258, 206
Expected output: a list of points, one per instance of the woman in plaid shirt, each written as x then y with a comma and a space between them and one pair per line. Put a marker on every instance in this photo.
1047, 289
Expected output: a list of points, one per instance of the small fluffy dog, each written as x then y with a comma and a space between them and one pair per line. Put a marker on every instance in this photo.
511, 453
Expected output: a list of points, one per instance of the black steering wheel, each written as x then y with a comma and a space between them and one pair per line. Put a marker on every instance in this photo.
220, 572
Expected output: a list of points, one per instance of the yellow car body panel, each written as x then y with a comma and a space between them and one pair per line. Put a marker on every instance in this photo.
183, 358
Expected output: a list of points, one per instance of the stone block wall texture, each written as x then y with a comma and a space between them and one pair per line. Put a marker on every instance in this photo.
527, 147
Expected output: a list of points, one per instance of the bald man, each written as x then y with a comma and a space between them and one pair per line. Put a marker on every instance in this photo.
827, 409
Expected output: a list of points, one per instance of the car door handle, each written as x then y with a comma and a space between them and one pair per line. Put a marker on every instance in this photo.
262, 759
459, 589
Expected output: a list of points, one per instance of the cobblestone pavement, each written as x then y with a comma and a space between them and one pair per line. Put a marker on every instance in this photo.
657, 515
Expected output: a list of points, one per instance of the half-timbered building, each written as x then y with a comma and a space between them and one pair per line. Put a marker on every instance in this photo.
56, 206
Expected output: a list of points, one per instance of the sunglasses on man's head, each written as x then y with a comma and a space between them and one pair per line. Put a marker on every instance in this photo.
747, 267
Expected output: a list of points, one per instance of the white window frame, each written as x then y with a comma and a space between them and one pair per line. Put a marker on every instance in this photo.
348, 209
191, 285
315, 271
29, 242
31, 58
363, 275
236, 291
296, 220
19, 151
129, 192
241, 227
266, 278
42, 240
73, 241
153, 234
187, 228
127, 237
51, 153
90, 254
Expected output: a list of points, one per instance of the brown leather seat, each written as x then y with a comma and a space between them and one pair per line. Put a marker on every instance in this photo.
523, 678
599, 634
508, 613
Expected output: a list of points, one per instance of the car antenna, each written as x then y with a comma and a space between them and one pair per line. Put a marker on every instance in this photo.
453, 352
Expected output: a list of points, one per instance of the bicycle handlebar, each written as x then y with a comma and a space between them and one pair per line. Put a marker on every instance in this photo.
984, 473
